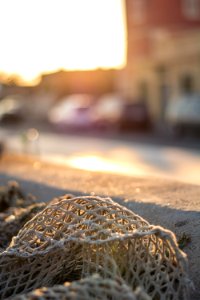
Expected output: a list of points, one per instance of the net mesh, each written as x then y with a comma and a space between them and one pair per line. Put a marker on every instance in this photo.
13, 220
15, 210
90, 288
73, 238
11, 195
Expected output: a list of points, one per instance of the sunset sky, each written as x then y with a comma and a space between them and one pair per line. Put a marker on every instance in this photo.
46, 35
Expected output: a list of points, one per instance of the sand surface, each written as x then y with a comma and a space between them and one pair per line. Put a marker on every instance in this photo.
173, 205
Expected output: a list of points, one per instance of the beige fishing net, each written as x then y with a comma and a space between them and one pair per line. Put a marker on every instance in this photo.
13, 220
15, 210
11, 195
73, 238
90, 288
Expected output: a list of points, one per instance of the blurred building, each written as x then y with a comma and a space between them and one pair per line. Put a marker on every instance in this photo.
94, 82
163, 58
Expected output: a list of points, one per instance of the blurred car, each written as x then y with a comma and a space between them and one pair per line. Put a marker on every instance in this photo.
107, 111
135, 116
183, 114
11, 110
73, 112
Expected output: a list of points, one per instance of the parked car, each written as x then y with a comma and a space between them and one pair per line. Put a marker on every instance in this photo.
73, 112
11, 110
183, 114
107, 111
135, 116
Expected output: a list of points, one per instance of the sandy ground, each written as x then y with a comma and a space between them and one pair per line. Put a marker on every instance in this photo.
173, 205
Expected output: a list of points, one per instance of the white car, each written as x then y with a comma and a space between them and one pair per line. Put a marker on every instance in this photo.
73, 111
107, 111
183, 114
12, 109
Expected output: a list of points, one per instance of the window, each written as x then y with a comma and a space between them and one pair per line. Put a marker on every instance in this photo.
191, 8
187, 84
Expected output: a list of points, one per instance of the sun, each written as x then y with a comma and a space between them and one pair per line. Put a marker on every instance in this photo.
46, 35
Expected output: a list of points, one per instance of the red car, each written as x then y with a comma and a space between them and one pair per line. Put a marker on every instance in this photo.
135, 117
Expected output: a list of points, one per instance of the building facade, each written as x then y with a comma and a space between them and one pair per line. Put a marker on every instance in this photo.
163, 56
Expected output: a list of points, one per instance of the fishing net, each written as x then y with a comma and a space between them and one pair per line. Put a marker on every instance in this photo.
11, 195
13, 220
73, 238
90, 288
16, 209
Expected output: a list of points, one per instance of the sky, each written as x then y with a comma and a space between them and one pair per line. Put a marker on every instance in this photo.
39, 36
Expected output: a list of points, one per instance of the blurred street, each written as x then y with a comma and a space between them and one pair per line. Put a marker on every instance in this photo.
125, 157
128, 103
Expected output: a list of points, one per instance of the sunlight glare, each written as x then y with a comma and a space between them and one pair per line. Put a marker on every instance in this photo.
43, 36
101, 164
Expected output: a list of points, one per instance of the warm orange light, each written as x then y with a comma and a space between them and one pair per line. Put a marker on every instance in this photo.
42, 36
98, 163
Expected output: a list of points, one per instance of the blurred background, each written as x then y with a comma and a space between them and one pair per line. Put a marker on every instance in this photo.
103, 85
